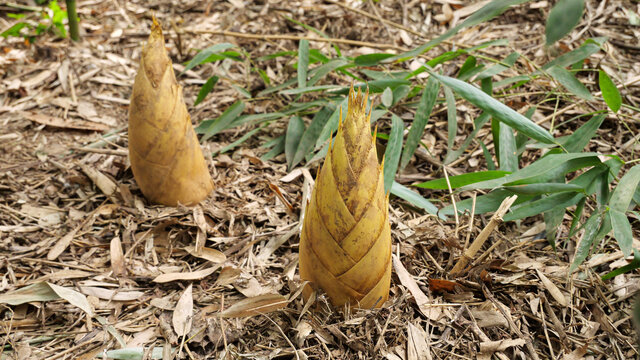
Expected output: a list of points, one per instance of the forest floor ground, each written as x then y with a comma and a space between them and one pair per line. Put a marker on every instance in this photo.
68, 201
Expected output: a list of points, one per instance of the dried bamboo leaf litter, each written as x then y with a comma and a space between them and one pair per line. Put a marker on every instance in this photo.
166, 158
345, 245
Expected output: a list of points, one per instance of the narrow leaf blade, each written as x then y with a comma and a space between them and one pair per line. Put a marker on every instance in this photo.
570, 82
497, 109
425, 106
392, 153
412, 197
622, 230
206, 89
295, 129
303, 62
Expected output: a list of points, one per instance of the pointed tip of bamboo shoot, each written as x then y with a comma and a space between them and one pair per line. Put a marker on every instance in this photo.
356, 108
156, 31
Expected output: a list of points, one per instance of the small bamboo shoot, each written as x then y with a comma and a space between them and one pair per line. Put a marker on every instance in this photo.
165, 154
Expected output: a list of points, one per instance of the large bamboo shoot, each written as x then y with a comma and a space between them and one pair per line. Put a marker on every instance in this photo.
345, 245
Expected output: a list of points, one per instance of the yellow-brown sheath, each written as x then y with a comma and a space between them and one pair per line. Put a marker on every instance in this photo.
165, 154
345, 245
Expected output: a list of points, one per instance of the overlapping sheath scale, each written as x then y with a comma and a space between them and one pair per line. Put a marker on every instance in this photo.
345, 245
165, 154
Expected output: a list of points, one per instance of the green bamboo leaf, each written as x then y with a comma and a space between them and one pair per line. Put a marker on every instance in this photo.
487, 157
385, 75
462, 180
486, 85
497, 109
322, 70
584, 245
610, 92
303, 63
478, 123
469, 64
277, 88
576, 217
310, 136
450, 55
563, 17
452, 120
393, 151
308, 89
206, 89
532, 208
400, 93
242, 91
257, 118
498, 68
622, 194
375, 86
212, 127
621, 230
548, 167
590, 47
508, 149
331, 124
633, 265
413, 198
519, 80
295, 129
371, 59
276, 55
580, 138
570, 82
278, 147
204, 55
491, 10
387, 97
242, 139
544, 188
552, 220
135, 353
425, 106
484, 204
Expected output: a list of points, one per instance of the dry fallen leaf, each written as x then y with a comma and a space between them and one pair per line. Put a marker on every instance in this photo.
194, 275
53, 121
577, 354
487, 348
62, 244
255, 306
117, 257
113, 295
251, 288
227, 276
183, 313
213, 255
44, 291
47, 216
421, 299
104, 183
417, 345
553, 289
73, 297
201, 237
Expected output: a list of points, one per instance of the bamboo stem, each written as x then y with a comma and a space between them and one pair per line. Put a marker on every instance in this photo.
72, 14
476, 245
